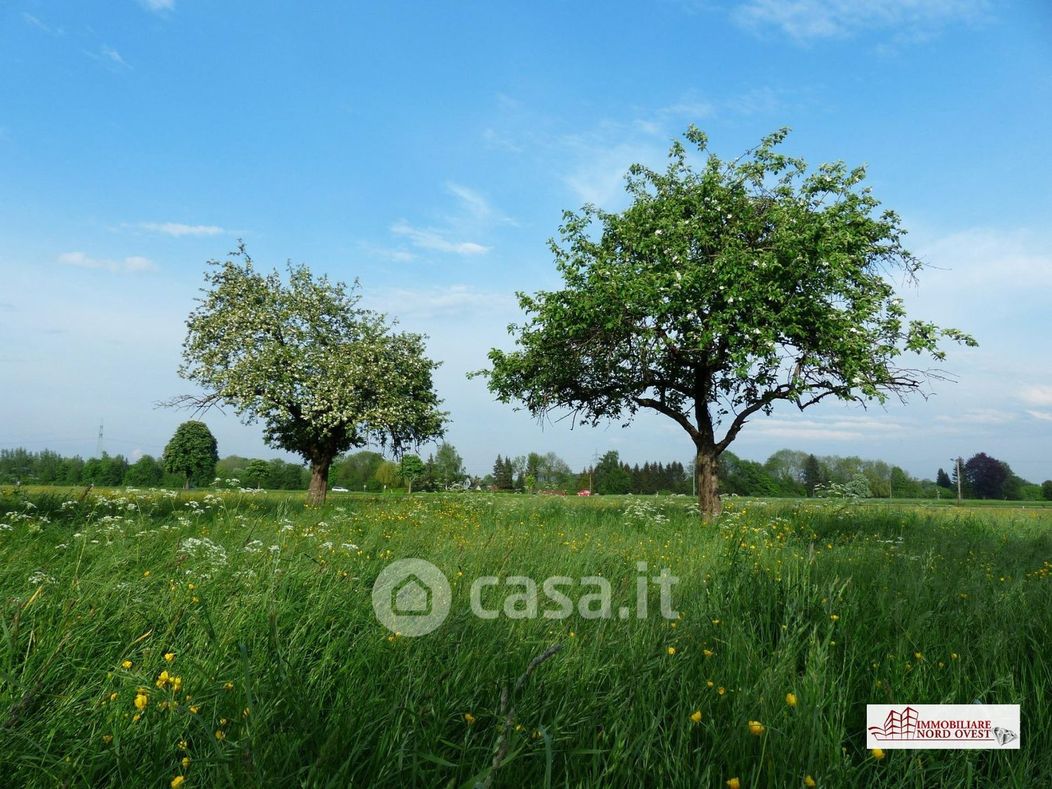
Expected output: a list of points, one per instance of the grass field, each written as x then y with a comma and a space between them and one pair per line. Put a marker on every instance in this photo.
230, 639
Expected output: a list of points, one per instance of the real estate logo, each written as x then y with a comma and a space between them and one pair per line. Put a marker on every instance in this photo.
411, 597
942, 726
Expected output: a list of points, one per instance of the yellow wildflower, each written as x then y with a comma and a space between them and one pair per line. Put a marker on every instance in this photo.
126, 664
756, 728
734, 783
220, 734
709, 683
178, 781
672, 650
194, 709
177, 684
721, 690
878, 754
835, 617
141, 700
228, 686
707, 652
169, 656
113, 697
146, 574
469, 719
790, 699
185, 762
695, 716
809, 782
162, 679
107, 738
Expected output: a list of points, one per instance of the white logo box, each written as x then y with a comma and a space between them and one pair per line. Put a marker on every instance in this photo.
943, 726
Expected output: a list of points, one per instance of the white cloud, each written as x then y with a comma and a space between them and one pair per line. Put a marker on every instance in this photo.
435, 241
131, 264
1045, 416
987, 258
111, 55
158, 6
477, 206
1037, 395
977, 417
178, 229
810, 20
598, 174
842, 428
451, 300
39, 24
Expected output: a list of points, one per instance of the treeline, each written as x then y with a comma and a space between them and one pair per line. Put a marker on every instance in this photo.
786, 473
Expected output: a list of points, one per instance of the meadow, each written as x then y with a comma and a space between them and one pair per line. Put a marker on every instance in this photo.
156, 638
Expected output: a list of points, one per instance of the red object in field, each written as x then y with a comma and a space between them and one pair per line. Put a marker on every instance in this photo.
584, 493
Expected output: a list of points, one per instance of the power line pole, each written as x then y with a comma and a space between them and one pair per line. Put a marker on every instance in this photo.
98, 445
957, 463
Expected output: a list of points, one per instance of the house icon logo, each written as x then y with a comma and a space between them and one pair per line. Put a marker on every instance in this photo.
411, 597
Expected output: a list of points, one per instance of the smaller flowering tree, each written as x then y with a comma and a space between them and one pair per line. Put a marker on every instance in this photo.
322, 373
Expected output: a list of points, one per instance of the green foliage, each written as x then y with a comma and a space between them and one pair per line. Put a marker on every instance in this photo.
719, 292
448, 467
856, 488
1046, 489
387, 474
410, 469
813, 474
192, 453
610, 476
256, 473
989, 478
322, 373
146, 472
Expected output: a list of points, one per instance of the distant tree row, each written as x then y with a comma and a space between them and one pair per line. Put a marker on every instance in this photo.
786, 473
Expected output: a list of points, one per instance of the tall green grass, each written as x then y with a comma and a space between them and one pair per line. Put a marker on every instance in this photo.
268, 622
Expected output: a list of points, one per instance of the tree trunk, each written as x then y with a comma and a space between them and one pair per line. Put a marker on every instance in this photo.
186, 484
706, 468
410, 491
319, 481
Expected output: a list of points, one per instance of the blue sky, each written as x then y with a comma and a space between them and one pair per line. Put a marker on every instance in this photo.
429, 149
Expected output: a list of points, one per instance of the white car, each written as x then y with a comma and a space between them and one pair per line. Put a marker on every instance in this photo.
340, 490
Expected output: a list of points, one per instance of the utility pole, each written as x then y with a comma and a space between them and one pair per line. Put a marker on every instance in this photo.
957, 463
98, 445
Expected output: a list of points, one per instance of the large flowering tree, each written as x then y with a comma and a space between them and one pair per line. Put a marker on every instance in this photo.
720, 291
322, 373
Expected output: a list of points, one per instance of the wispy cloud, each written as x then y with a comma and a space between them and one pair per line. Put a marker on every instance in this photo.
478, 207
1037, 395
110, 56
387, 253
844, 428
812, 20
1044, 416
436, 241
977, 417
178, 229
452, 300
39, 24
158, 6
131, 264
